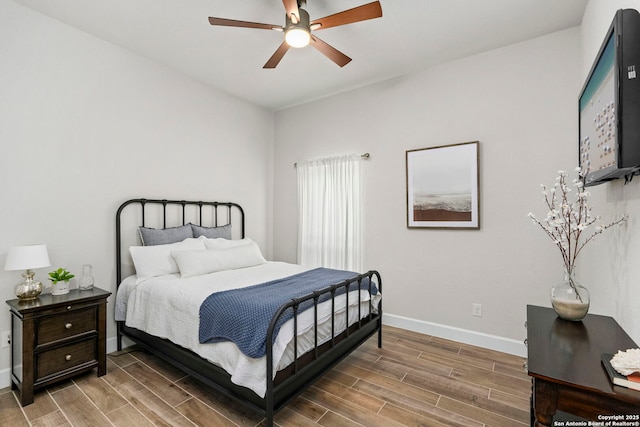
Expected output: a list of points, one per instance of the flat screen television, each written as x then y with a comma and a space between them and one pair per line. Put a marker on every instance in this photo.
609, 105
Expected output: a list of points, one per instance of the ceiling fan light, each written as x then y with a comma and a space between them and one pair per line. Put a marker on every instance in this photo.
297, 37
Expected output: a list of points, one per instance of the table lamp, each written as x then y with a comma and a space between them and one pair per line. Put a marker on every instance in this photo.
27, 258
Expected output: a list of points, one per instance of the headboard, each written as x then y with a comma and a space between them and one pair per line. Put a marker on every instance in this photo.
171, 213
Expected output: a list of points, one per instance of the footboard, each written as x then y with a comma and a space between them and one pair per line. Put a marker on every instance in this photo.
291, 381
302, 372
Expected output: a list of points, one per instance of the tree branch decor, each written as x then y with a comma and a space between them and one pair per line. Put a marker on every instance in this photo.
568, 220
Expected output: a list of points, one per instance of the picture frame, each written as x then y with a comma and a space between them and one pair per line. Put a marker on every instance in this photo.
443, 186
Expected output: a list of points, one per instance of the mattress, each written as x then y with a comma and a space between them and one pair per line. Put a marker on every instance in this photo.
168, 307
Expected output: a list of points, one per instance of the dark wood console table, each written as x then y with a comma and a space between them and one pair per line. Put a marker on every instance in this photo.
564, 361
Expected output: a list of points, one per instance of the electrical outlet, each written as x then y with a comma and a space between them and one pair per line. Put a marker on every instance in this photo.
5, 340
476, 309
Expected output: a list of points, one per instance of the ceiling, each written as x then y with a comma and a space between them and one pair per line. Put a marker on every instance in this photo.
412, 35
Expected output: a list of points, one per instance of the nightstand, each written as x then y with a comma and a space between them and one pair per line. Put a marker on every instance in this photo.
55, 337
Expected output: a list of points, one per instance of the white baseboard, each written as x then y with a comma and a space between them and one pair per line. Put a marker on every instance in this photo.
5, 378
492, 342
479, 339
112, 345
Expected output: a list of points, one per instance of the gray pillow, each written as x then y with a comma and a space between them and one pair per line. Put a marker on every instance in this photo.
164, 236
223, 231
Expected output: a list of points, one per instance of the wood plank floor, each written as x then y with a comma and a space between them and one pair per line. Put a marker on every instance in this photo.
414, 380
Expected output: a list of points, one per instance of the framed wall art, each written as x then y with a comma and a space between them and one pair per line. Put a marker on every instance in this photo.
442, 187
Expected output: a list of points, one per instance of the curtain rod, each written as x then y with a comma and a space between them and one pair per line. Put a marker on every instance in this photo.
364, 156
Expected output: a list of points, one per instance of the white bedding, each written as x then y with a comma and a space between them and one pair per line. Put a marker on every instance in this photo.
168, 307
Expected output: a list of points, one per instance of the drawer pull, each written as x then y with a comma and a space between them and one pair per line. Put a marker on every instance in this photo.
68, 326
68, 307
67, 357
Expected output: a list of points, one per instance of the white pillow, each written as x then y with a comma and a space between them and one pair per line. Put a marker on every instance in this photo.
221, 243
197, 263
152, 261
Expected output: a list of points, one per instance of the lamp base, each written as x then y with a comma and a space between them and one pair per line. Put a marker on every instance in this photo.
29, 289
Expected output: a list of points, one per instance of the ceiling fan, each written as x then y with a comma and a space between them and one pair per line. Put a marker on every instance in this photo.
298, 27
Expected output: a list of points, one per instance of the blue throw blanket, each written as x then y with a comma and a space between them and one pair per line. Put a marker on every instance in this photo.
243, 315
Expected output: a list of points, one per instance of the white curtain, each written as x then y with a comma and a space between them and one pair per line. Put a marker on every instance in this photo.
329, 212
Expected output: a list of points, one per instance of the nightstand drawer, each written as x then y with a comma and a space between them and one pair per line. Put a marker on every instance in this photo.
62, 358
65, 325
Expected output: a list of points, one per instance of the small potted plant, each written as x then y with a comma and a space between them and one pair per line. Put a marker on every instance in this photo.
60, 281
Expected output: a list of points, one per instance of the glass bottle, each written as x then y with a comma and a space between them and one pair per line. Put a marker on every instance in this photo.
569, 299
86, 279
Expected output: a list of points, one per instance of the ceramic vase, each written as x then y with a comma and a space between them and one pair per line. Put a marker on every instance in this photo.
60, 288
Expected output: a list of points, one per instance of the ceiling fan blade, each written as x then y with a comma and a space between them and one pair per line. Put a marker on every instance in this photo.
360, 13
245, 24
291, 6
330, 52
277, 56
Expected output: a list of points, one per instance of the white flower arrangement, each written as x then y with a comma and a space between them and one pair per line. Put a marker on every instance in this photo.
567, 221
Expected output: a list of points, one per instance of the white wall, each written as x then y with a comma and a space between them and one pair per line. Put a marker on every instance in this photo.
610, 267
86, 125
125, 127
520, 103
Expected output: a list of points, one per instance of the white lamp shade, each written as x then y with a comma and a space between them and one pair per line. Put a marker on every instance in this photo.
27, 257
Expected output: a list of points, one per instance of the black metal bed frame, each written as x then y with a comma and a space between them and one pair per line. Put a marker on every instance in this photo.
293, 379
